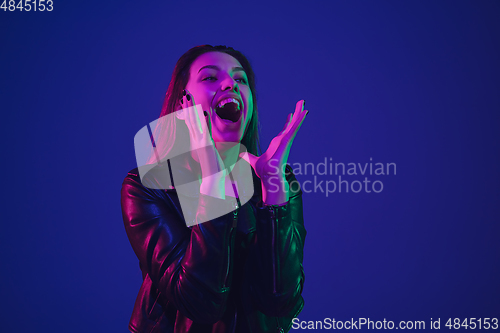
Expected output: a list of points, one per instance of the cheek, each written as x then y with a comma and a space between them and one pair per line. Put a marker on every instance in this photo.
201, 95
249, 101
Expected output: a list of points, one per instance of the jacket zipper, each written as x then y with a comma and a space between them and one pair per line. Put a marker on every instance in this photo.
279, 329
235, 319
273, 242
278, 326
228, 260
235, 220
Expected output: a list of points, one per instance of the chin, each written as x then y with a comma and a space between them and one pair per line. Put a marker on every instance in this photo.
228, 134
230, 137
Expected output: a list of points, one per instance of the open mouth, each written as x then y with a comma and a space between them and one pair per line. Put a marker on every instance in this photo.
229, 109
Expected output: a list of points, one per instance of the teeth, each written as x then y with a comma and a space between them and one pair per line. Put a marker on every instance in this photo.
228, 100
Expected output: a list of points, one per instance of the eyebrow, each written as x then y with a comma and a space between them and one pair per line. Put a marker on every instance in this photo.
234, 69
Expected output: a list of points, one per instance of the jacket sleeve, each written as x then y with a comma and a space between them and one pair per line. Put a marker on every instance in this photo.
189, 266
278, 254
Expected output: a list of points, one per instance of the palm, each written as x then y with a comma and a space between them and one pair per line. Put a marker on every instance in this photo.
200, 138
273, 161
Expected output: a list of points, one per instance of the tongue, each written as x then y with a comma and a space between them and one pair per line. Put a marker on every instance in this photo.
229, 112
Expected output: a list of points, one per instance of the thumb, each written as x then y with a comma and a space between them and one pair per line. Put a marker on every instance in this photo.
250, 158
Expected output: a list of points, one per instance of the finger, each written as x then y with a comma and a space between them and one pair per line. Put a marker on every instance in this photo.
289, 136
197, 116
179, 112
209, 121
299, 109
288, 120
295, 126
196, 113
193, 111
299, 112
301, 105
194, 117
185, 112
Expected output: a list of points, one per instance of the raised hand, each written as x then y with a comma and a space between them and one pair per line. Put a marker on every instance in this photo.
212, 166
270, 166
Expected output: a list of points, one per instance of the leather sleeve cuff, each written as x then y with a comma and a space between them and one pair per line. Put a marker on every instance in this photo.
272, 212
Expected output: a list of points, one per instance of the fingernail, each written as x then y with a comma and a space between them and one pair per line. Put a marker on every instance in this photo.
184, 92
188, 97
205, 113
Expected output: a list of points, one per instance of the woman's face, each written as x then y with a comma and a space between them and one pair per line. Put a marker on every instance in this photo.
218, 82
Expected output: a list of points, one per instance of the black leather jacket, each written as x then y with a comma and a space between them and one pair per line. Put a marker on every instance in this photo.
241, 272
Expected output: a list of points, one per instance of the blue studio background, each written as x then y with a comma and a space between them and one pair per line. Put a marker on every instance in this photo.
414, 83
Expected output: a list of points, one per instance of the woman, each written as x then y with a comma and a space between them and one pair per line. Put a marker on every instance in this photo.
237, 272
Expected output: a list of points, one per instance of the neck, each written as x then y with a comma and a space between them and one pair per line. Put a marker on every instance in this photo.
228, 152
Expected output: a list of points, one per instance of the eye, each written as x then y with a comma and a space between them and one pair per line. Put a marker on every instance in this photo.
242, 80
210, 78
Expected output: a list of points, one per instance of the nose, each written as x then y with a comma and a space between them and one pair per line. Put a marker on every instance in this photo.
229, 84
